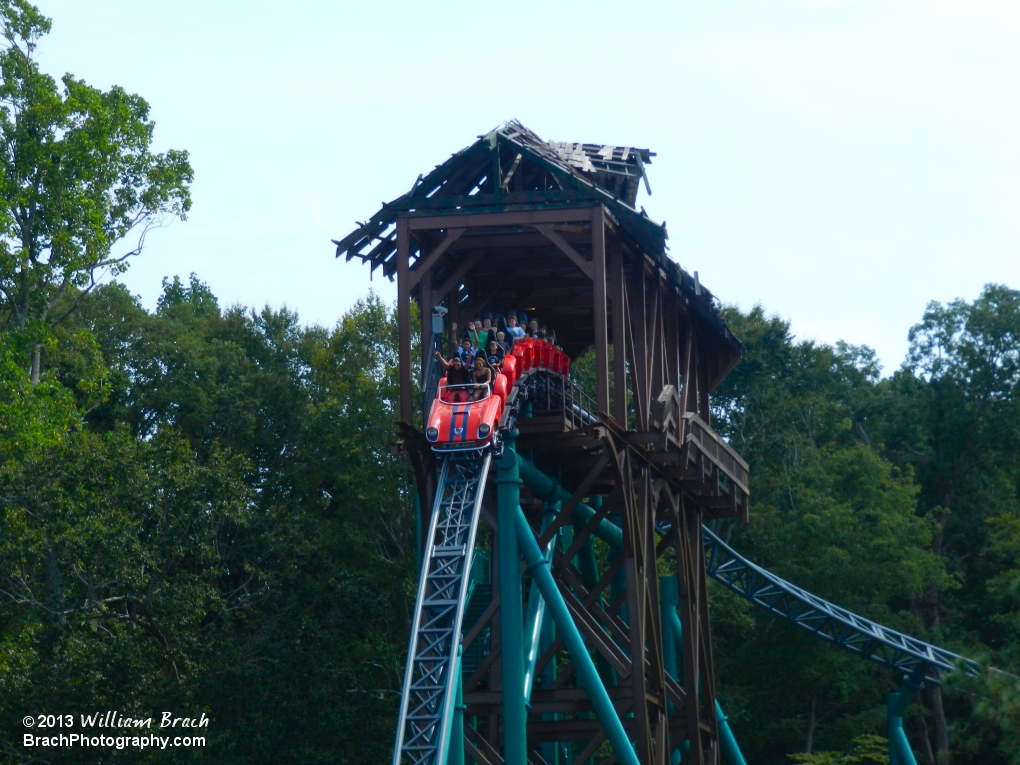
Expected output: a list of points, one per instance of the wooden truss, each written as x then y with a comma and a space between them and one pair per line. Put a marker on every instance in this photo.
514, 222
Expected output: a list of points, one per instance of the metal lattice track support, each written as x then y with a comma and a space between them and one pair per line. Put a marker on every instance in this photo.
846, 629
429, 681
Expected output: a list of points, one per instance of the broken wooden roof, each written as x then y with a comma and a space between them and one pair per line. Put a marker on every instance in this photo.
512, 168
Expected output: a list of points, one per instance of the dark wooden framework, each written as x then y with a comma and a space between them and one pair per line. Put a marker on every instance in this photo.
514, 222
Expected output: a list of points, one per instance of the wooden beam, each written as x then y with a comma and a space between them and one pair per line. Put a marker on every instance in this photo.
511, 218
564, 516
565, 247
598, 253
425, 264
404, 324
636, 336
457, 276
618, 297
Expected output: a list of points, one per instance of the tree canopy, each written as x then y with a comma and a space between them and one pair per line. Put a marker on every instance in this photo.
77, 175
198, 511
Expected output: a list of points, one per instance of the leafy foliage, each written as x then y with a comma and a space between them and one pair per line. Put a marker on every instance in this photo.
224, 531
199, 513
77, 175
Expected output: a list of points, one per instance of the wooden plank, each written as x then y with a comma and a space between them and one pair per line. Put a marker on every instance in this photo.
563, 518
618, 298
566, 248
482, 747
454, 279
589, 750
471, 751
483, 620
509, 218
598, 254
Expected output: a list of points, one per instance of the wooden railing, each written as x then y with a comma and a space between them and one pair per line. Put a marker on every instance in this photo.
700, 436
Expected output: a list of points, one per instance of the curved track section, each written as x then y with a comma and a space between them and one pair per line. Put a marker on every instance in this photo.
426, 710
849, 631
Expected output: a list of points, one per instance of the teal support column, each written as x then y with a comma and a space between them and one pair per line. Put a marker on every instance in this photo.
586, 672
588, 566
896, 706
546, 488
455, 751
727, 741
669, 599
550, 750
508, 500
674, 626
536, 610
589, 569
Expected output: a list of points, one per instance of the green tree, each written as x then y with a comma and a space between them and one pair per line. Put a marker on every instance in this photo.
76, 176
954, 419
247, 456
830, 514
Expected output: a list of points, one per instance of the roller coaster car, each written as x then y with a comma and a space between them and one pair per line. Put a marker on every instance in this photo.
456, 425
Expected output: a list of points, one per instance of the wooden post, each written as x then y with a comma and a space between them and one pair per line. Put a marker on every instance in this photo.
619, 298
404, 323
598, 254
704, 411
690, 612
639, 343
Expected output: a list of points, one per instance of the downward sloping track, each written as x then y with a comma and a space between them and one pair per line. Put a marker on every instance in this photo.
429, 680
846, 629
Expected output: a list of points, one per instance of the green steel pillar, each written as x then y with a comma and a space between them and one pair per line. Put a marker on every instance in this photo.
727, 741
455, 751
669, 599
508, 500
550, 750
896, 706
536, 609
544, 487
589, 569
588, 566
587, 675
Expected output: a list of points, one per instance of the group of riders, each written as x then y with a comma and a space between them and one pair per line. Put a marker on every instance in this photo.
481, 349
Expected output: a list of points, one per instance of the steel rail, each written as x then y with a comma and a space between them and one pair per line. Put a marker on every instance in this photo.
851, 632
426, 711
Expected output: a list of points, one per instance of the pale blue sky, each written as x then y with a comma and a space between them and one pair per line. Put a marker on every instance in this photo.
840, 161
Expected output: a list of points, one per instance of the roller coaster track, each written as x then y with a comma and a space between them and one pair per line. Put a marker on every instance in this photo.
429, 680
430, 677
851, 632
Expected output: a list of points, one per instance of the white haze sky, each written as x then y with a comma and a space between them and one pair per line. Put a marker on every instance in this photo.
842, 162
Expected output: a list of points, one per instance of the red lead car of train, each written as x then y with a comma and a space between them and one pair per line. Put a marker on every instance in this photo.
456, 425
461, 426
